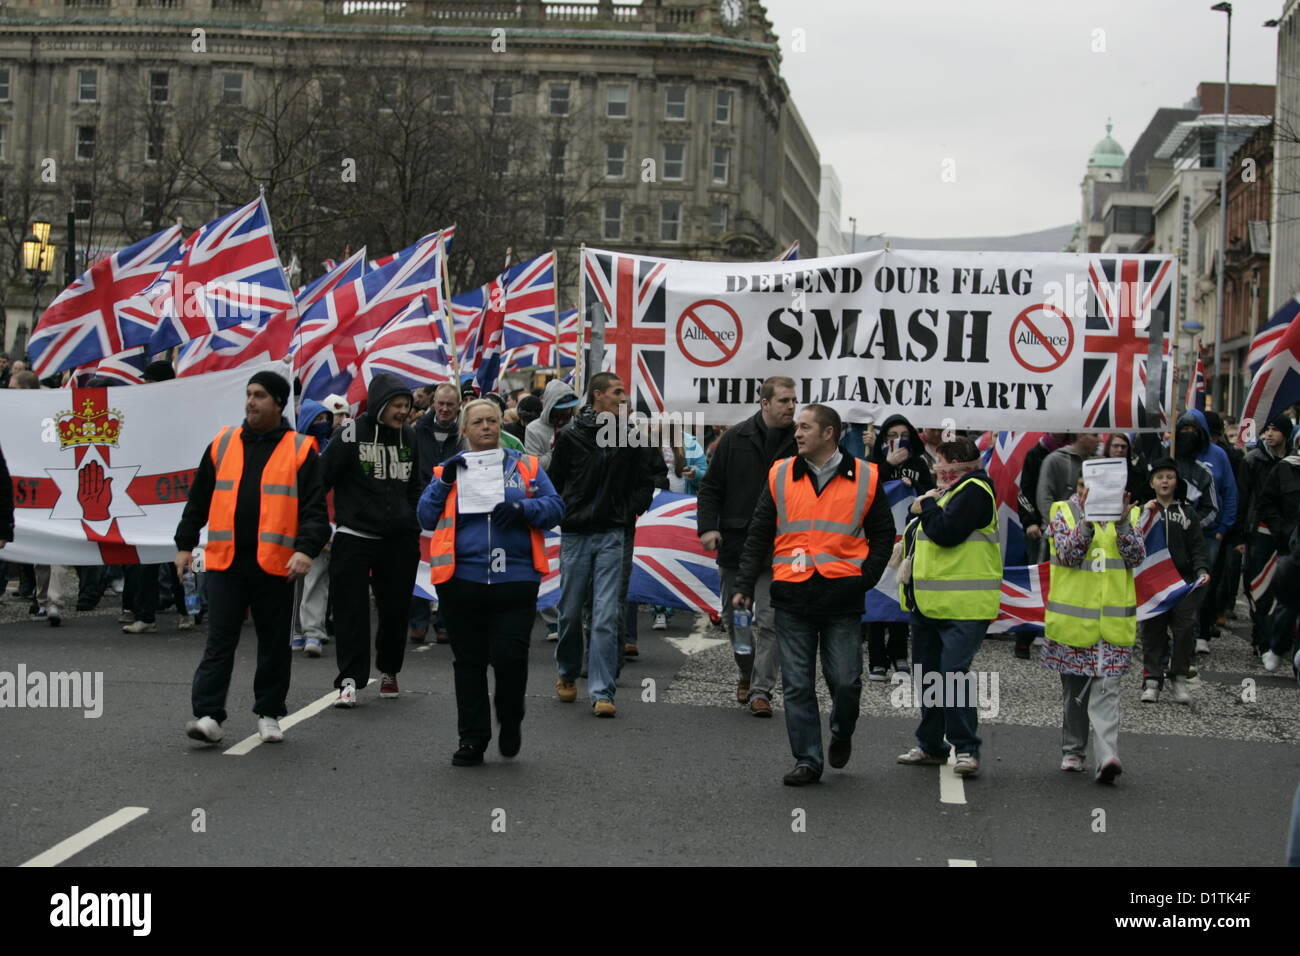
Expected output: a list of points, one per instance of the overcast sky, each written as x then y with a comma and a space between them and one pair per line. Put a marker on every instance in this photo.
1009, 90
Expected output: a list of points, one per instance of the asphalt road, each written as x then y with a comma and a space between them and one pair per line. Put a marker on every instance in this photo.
688, 778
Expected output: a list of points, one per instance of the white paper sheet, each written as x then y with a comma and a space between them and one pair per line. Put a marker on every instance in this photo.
480, 485
1106, 479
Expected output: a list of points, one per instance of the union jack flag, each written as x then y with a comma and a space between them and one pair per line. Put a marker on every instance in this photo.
229, 273
1274, 359
1157, 581
1195, 397
630, 291
103, 312
548, 593
1004, 460
333, 331
125, 367
1024, 598
337, 274
447, 234
1262, 581
529, 302
669, 566
791, 253
882, 601
1123, 295
410, 346
560, 352
237, 346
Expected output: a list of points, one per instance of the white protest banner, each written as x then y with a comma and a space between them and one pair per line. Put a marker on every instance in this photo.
1001, 341
101, 475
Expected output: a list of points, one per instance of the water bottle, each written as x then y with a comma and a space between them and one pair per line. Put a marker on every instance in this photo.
190, 585
742, 620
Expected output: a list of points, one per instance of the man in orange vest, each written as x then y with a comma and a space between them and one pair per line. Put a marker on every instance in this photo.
258, 489
824, 526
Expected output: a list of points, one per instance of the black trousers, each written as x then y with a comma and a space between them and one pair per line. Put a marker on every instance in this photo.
358, 565
140, 591
488, 624
883, 650
231, 594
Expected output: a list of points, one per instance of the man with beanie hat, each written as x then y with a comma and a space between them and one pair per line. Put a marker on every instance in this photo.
1258, 464
370, 465
258, 489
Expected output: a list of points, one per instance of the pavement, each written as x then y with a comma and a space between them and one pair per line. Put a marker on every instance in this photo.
682, 776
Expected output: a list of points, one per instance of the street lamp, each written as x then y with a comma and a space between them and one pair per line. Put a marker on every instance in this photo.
38, 260
853, 225
1223, 213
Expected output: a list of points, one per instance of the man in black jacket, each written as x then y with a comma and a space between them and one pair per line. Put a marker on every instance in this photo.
601, 471
726, 502
370, 465
1258, 464
247, 582
822, 575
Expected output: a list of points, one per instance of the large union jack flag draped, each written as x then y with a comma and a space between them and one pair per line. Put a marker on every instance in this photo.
560, 352
630, 292
669, 566
1004, 460
1123, 296
103, 312
409, 345
333, 332
1274, 359
229, 273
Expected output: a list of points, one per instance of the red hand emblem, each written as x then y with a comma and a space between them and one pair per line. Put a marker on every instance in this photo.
94, 491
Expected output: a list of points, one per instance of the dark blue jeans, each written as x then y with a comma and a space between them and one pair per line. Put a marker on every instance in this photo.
798, 637
946, 647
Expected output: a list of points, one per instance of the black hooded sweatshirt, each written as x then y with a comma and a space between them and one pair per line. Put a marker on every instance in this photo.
915, 469
603, 487
372, 469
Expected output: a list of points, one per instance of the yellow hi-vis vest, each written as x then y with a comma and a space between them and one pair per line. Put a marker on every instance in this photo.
962, 583
1098, 598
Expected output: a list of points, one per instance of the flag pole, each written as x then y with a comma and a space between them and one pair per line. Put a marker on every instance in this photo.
555, 263
579, 365
449, 324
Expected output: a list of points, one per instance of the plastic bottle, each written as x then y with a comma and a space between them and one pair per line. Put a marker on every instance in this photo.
742, 620
190, 585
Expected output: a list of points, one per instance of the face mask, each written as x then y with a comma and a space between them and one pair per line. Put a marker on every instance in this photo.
320, 431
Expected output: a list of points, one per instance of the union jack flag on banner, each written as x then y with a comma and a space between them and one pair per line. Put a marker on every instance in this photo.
409, 345
229, 273
669, 566
560, 352
1274, 359
630, 292
1124, 295
103, 312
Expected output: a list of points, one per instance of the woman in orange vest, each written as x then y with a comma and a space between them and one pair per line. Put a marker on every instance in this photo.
486, 566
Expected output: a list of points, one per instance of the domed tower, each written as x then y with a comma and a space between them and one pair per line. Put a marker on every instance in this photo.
1105, 166
1107, 160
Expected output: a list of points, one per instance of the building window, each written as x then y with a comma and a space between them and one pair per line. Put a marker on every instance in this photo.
722, 106
503, 101
4, 85
4, 141
387, 94
554, 217
232, 89
718, 223
81, 201
616, 101
675, 102
670, 221
559, 152
559, 99
153, 144
444, 98
331, 90
615, 160
85, 142
159, 87
611, 226
721, 163
674, 161
150, 210
500, 154
87, 86
229, 146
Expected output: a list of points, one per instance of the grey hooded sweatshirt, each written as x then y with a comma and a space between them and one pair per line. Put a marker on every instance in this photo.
539, 437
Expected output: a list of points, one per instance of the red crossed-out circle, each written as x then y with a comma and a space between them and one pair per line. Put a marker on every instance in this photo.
1058, 356
692, 312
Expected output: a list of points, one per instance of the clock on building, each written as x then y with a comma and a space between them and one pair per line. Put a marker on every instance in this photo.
732, 12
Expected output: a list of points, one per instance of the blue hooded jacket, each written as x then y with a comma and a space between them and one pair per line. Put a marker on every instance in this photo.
307, 414
479, 538
1216, 459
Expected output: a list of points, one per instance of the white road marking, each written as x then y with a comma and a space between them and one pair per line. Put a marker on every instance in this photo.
962, 863
297, 717
951, 788
422, 647
695, 642
92, 834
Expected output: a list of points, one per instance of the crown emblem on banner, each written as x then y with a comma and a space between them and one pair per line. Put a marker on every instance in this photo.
91, 425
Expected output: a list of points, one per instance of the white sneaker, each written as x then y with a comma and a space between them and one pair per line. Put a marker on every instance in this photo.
1151, 692
186, 623
1271, 661
268, 728
1072, 763
140, 627
661, 623
1178, 685
312, 647
1202, 646
205, 729
347, 694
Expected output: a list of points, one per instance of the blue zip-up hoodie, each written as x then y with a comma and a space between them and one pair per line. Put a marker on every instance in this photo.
487, 553
307, 414
1216, 459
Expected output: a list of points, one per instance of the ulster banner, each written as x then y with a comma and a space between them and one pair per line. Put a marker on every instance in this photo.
101, 475
1000, 341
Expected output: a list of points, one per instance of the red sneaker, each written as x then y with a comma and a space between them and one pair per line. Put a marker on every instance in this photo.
388, 685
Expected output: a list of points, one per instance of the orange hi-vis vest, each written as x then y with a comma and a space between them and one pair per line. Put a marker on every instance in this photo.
277, 522
442, 548
821, 533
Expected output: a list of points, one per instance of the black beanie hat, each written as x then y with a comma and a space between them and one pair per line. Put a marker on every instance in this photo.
159, 371
1282, 422
275, 385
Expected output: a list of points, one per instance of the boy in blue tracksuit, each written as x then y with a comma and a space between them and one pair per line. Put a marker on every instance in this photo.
1197, 452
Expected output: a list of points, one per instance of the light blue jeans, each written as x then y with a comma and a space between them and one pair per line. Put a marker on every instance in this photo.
591, 563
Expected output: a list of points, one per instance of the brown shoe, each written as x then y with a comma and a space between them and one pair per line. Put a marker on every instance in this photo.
604, 708
441, 637
566, 690
629, 650
742, 692
759, 707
